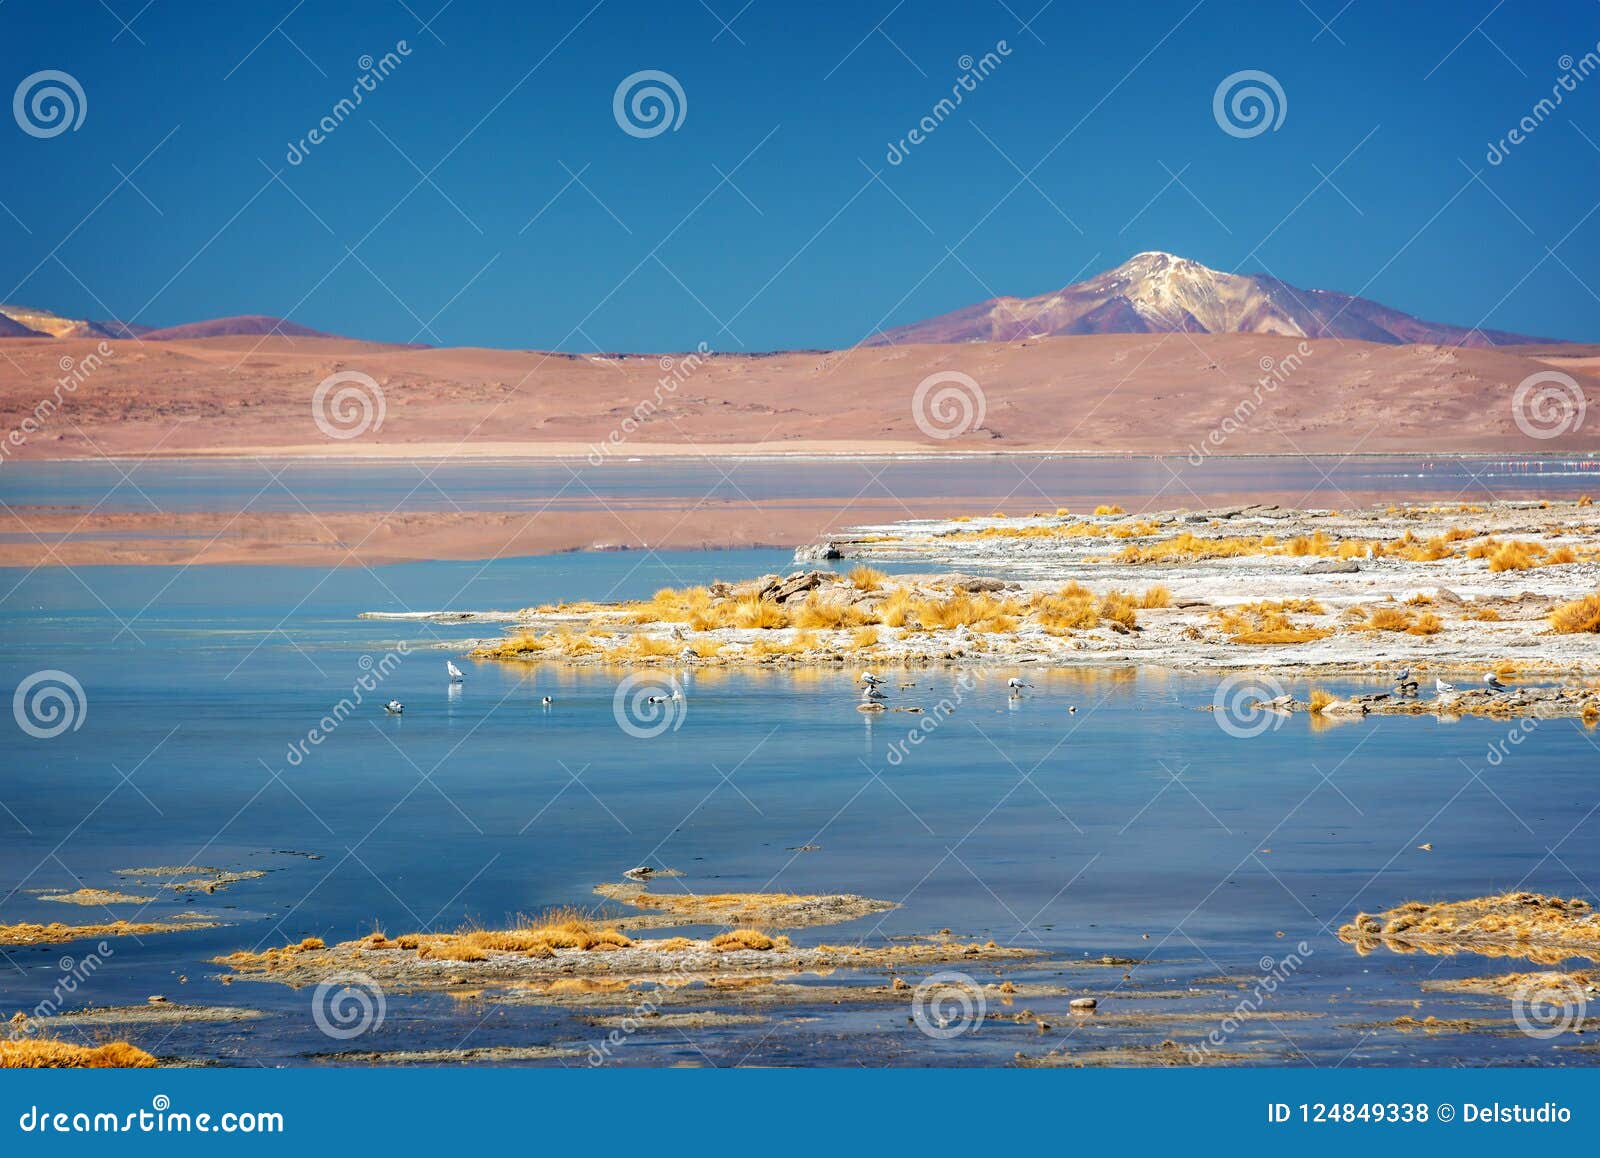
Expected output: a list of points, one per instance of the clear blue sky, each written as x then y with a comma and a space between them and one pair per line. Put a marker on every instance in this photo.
651, 249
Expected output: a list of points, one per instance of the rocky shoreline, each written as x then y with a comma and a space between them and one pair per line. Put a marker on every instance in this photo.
1447, 591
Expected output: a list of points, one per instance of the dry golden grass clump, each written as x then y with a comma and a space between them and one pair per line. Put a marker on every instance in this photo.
1414, 550
56, 933
1521, 924
1580, 615
864, 578
816, 612
747, 939
1392, 618
1109, 509
1321, 699
271, 958
47, 1053
1075, 608
1268, 622
1156, 596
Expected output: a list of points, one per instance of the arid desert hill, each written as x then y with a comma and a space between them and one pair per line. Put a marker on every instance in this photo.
1142, 393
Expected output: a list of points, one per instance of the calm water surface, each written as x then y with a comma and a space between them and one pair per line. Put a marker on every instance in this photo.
1135, 827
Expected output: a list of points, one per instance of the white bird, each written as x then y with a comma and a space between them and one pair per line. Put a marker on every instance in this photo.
870, 680
1492, 682
1073, 710
548, 701
455, 672
871, 693
394, 707
1401, 676
1440, 687
1016, 683
657, 699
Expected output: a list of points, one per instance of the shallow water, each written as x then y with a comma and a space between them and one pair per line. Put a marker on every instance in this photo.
1078, 834
508, 485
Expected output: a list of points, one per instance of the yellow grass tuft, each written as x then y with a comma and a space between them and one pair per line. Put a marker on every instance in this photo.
1321, 699
747, 939
865, 578
1581, 615
1157, 596
863, 638
47, 1053
1109, 509
754, 611
816, 612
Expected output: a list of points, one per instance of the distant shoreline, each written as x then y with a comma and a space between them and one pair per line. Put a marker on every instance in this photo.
811, 452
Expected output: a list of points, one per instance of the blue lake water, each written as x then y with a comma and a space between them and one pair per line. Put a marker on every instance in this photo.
501, 485
1135, 827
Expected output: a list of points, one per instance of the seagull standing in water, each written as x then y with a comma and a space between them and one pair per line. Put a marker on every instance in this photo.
1016, 684
1441, 688
548, 701
1401, 676
1492, 682
870, 694
394, 708
455, 672
870, 679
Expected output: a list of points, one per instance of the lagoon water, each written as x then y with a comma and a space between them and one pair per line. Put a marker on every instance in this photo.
1136, 827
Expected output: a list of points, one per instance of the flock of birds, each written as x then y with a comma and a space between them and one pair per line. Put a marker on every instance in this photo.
872, 688
1408, 686
396, 708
